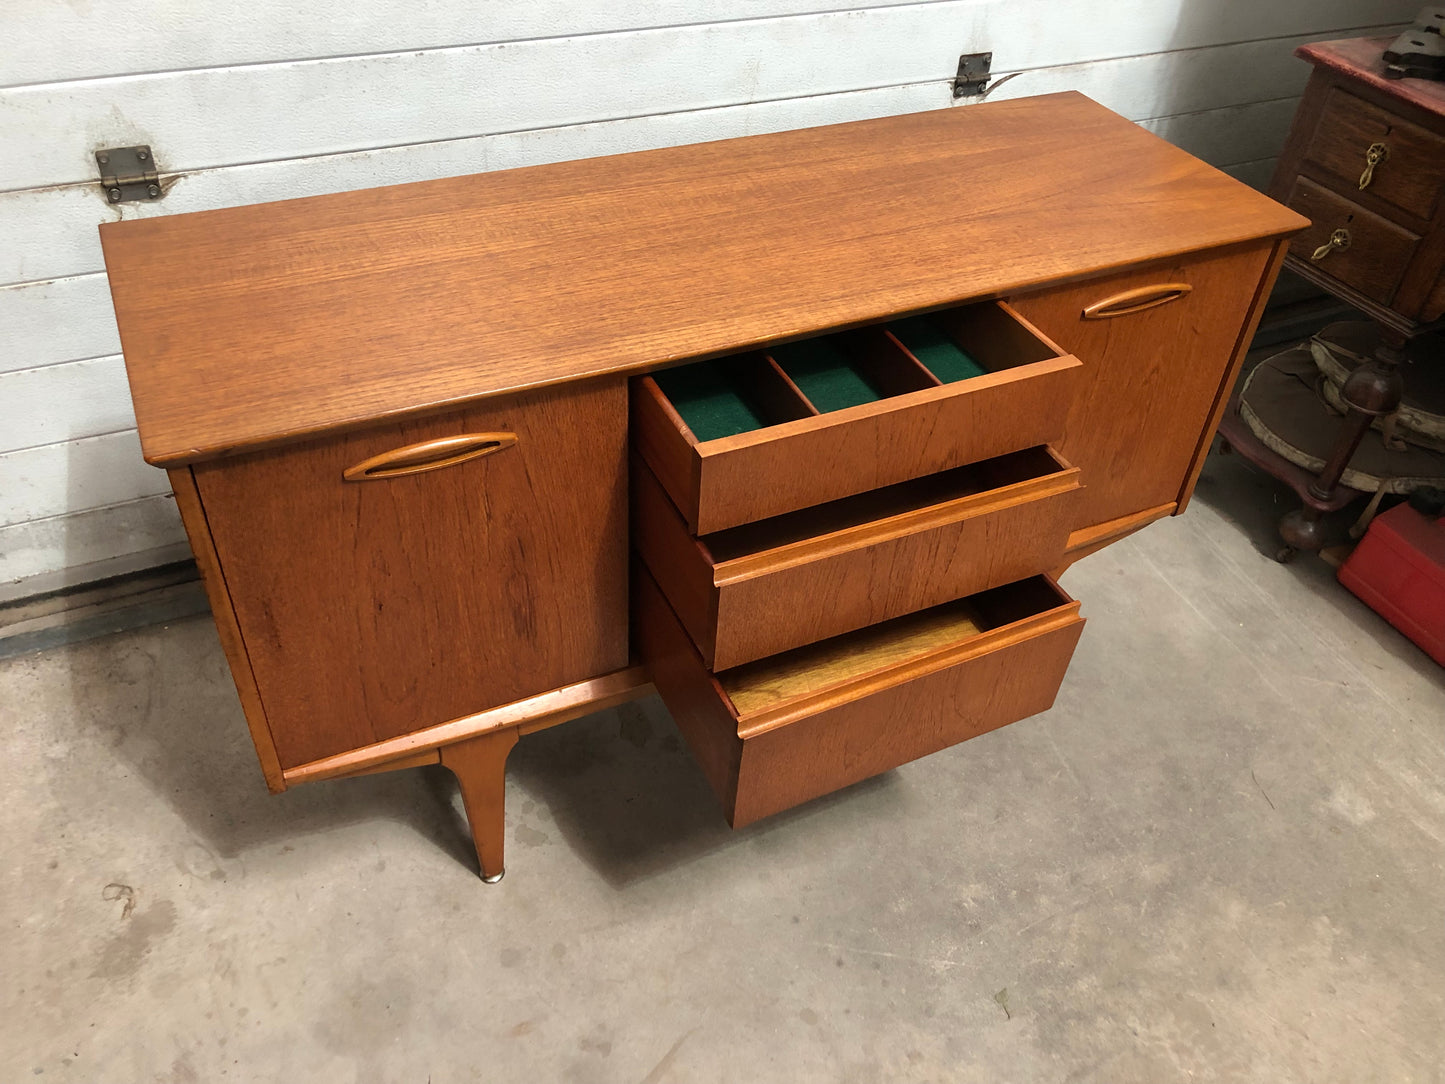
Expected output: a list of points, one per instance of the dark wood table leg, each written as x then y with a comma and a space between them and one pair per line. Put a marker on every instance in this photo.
1372, 390
480, 765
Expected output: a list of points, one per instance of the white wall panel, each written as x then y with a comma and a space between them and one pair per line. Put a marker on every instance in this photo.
58, 478
55, 320
209, 117
64, 402
112, 37
81, 547
215, 33
1255, 174
1225, 137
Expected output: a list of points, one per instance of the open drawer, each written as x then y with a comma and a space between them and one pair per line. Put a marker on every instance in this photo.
738, 439
765, 587
777, 732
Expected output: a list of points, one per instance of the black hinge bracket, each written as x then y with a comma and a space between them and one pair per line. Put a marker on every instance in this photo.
128, 174
972, 77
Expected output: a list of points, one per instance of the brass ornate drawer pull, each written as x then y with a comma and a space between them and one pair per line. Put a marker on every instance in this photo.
1377, 153
1339, 239
429, 455
1137, 300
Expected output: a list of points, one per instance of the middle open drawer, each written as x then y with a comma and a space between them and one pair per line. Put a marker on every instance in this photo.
744, 438
765, 587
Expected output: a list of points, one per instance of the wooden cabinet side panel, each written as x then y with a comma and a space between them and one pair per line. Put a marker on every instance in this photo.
376, 608
1231, 374
674, 558
690, 692
657, 436
1153, 378
193, 517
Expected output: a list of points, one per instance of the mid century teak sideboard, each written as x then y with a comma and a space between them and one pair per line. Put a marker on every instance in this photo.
794, 428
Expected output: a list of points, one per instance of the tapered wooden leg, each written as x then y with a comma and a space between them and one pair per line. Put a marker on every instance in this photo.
480, 765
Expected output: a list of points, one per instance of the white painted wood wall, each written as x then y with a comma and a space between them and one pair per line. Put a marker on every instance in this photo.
271, 99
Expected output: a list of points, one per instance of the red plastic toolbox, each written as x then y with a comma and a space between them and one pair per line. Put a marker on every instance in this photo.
1398, 569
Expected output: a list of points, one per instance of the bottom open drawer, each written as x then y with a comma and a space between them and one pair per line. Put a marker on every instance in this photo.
774, 733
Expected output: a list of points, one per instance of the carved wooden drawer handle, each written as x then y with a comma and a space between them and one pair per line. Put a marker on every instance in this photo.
1377, 153
1137, 300
429, 455
1339, 239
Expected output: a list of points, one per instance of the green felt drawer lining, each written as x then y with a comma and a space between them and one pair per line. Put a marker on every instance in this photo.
827, 376
931, 345
710, 400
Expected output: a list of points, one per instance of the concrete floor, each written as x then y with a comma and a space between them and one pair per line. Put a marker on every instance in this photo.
1219, 857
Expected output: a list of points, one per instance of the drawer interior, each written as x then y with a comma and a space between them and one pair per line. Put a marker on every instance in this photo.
739, 394
969, 341
734, 395
772, 682
881, 504
925, 338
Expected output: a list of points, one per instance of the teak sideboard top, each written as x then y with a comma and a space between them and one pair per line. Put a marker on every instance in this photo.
285, 319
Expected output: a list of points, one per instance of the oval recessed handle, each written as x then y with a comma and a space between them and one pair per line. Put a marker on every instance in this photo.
428, 455
1137, 300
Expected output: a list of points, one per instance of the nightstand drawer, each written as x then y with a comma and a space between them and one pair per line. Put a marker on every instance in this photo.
1408, 168
765, 587
1353, 245
777, 732
744, 438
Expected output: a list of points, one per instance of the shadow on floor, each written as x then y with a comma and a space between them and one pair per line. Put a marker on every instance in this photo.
618, 786
1253, 501
626, 796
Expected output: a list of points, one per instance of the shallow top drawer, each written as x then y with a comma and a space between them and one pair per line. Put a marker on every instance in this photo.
1376, 152
738, 439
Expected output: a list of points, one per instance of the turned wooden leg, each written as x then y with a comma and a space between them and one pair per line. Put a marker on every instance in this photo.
1301, 529
1372, 390
480, 765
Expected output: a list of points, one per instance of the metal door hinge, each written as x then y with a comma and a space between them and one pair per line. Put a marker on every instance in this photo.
973, 74
128, 174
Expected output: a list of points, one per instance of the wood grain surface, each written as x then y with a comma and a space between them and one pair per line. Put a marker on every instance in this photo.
1092, 539
1151, 378
1406, 274
892, 722
1363, 60
524, 716
1021, 402
1379, 250
1410, 177
373, 609
692, 695
769, 683
223, 612
828, 570
281, 320
823, 717
480, 765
